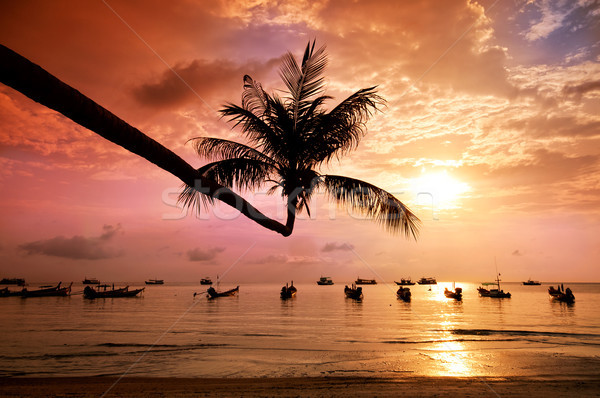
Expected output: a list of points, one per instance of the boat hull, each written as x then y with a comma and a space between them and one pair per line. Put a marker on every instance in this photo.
365, 282
56, 291
353, 293
288, 292
90, 293
404, 294
456, 294
212, 293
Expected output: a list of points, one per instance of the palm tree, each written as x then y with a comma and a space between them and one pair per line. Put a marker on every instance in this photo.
290, 138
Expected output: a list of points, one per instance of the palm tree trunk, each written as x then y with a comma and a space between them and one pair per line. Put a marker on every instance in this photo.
291, 212
34, 82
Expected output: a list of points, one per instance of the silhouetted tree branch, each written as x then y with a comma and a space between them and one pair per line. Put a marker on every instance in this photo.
34, 82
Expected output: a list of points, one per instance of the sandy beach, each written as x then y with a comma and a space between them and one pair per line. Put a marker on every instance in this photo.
298, 387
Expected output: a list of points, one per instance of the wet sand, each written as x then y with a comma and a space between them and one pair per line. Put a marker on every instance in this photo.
298, 387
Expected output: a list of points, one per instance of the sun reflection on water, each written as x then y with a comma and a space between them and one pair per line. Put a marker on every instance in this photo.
452, 360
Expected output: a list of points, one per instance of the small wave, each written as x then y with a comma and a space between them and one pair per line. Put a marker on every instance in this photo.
489, 332
134, 345
262, 335
43, 357
439, 341
92, 330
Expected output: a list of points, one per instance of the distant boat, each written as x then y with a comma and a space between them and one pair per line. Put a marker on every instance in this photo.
46, 291
324, 280
404, 294
10, 293
12, 281
353, 292
561, 294
455, 294
212, 293
155, 282
360, 281
529, 282
288, 291
102, 291
91, 281
206, 281
405, 282
427, 281
493, 293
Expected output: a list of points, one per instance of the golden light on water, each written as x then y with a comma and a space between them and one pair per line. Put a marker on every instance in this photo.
451, 359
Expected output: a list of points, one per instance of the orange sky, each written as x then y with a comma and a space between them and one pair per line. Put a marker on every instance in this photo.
492, 116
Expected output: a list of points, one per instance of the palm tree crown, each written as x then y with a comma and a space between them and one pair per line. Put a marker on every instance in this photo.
291, 137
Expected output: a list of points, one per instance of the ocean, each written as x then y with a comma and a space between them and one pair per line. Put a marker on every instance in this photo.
170, 333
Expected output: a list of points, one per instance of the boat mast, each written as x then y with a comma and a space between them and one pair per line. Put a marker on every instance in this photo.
497, 274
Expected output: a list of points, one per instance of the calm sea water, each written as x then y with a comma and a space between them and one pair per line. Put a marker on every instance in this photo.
168, 332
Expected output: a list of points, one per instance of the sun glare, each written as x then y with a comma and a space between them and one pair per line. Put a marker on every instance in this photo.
439, 189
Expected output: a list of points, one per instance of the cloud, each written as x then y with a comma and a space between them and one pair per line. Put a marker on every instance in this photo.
334, 246
577, 90
77, 247
550, 21
201, 78
199, 254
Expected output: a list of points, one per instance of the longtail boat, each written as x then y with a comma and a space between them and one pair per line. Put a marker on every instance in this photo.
288, 291
47, 291
353, 292
212, 293
103, 291
404, 294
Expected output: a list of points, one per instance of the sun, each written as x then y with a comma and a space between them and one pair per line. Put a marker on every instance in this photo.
439, 190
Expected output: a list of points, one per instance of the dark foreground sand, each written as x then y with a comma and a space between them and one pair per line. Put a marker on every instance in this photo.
299, 387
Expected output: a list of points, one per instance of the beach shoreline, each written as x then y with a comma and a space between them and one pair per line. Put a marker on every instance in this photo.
96, 386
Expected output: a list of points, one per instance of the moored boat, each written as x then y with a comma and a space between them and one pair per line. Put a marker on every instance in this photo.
427, 281
404, 294
529, 282
103, 291
288, 291
324, 280
405, 282
12, 281
206, 281
360, 281
155, 282
90, 281
212, 293
561, 294
455, 294
494, 292
48, 291
353, 292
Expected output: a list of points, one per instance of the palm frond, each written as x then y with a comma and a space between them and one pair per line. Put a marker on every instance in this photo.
341, 129
254, 98
239, 173
219, 149
373, 202
306, 80
265, 134
191, 198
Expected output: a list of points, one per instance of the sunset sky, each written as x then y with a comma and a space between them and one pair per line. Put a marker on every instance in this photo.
491, 134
